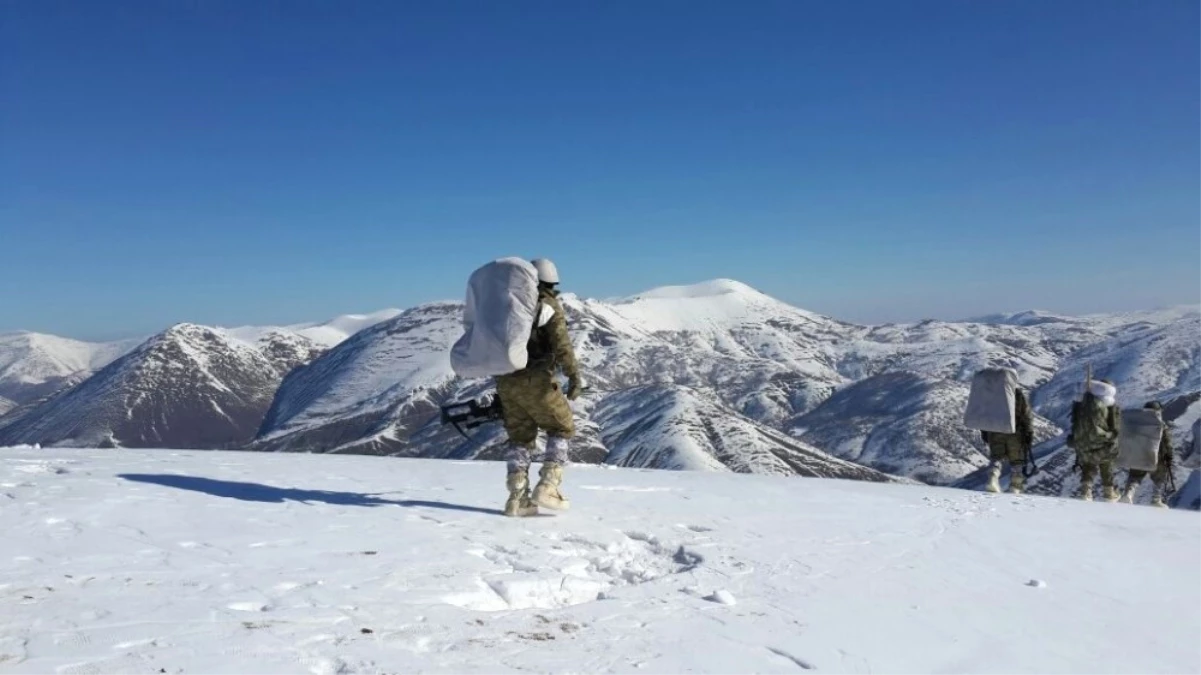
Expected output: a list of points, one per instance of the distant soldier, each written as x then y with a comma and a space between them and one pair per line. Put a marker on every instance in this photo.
1096, 422
1163, 468
1013, 448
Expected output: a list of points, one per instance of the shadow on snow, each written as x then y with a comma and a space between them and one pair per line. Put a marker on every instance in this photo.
257, 492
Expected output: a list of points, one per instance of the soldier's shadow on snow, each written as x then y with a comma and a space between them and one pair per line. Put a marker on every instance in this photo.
257, 492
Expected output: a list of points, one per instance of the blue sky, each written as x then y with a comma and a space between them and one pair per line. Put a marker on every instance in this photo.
270, 162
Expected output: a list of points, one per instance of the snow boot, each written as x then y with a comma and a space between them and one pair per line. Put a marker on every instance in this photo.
546, 493
994, 478
1128, 495
1086, 493
519, 504
1017, 482
1111, 493
1157, 499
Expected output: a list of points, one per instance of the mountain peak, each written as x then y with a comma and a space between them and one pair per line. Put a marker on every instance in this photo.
185, 329
704, 289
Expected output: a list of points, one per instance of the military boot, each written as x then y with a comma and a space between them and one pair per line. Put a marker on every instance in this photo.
1111, 493
1157, 498
546, 493
994, 478
1128, 495
1086, 493
519, 504
1017, 482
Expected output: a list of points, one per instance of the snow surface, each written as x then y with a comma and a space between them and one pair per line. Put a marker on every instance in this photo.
122, 561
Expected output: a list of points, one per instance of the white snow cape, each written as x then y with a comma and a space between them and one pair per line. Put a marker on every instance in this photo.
1138, 442
502, 298
992, 401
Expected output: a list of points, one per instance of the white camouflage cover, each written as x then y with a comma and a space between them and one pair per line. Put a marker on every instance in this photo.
991, 404
502, 297
1138, 442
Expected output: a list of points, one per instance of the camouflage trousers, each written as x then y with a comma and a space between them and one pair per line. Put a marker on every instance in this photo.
1088, 473
1159, 476
1006, 447
532, 401
1097, 458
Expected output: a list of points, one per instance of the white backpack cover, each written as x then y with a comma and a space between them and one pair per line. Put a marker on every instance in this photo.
1138, 442
992, 402
502, 297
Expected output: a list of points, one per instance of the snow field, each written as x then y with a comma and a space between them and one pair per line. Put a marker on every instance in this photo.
223, 562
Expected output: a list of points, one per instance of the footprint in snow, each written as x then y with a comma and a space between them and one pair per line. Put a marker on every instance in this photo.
800, 663
248, 607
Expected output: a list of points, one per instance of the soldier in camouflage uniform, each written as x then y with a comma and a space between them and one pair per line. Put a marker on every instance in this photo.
1163, 468
1096, 423
1012, 448
531, 400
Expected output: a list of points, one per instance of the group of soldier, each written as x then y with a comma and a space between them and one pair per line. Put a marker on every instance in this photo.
1097, 419
532, 401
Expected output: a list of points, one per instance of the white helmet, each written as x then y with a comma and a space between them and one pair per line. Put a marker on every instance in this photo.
547, 272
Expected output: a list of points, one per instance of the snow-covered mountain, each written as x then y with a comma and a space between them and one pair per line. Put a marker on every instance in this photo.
709, 376
680, 372
672, 370
190, 386
6, 405
370, 392
34, 365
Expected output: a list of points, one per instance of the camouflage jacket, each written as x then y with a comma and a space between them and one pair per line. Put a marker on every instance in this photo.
549, 347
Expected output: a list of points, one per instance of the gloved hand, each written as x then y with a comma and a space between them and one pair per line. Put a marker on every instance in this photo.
575, 387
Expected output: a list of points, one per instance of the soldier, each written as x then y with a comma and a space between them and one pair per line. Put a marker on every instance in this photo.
531, 400
1096, 422
1163, 468
1013, 448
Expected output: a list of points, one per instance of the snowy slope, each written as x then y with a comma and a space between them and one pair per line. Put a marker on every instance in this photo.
188, 386
903, 423
1144, 360
380, 382
673, 427
758, 355
33, 365
207, 562
6, 405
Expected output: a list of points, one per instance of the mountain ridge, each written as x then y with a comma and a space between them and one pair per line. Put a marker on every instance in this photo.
720, 360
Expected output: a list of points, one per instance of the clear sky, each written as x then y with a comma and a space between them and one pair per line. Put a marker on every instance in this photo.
262, 161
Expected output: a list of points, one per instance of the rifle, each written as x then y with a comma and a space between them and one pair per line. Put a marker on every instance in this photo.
1027, 471
471, 414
